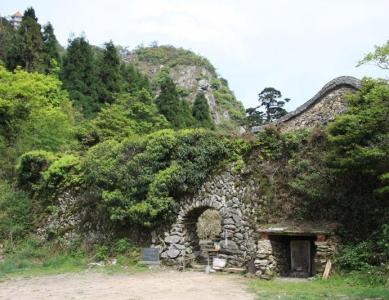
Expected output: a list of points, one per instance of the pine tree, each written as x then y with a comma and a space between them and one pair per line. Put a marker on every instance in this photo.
177, 112
201, 112
27, 50
269, 98
168, 101
273, 106
110, 74
7, 32
79, 75
50, 48
133, 80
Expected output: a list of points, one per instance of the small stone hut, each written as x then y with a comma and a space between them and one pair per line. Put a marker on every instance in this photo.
294, 250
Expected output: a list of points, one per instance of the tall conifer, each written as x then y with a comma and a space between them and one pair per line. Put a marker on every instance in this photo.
50, 47
201, 112
110, 74
79, 75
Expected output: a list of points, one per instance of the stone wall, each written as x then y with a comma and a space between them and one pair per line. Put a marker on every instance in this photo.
272, 258
223, 193
322, 108
325, 250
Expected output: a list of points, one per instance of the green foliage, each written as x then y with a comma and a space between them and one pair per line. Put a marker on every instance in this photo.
339, 286
121, 246
80, 75
15, 213
33, 257
7, 33
177, 112
227, 101
35, 112
275, 146
269, 99
109, 74
171, 56
31, 165
50, 49
102, 253
27, 44
380, 57
62, 174
130, 115
134, 80
201, 112
142, 179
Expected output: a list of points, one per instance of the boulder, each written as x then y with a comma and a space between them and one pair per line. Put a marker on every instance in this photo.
172, 253
172, 239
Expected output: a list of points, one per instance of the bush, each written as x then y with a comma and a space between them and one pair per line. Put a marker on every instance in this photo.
31, 165
63, 173
142, 179
121, 246
356, 257
102, 253
15, 213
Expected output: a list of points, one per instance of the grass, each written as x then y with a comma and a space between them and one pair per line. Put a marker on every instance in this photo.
30, 259
337, 287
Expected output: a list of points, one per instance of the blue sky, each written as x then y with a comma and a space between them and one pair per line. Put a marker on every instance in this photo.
295, 46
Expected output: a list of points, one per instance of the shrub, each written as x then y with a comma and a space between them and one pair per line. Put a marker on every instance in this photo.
121, 246
15, 213
31, 165
62, 174
102, 253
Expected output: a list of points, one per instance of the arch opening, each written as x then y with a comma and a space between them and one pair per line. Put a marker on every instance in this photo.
203, 227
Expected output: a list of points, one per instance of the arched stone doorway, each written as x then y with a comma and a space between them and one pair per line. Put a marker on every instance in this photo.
238, 244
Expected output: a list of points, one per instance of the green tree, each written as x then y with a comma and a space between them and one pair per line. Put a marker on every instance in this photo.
201, 112
15, 214
79, 75
254, 117
131, 114
110, 74
27, 50
273, 107
169, 104
50, 48
7, 32
133, 80
380, 57
34, 114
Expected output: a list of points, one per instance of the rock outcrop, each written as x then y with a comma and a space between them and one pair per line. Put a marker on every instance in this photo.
192, 74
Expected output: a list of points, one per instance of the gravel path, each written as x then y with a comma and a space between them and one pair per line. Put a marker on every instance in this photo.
161, 285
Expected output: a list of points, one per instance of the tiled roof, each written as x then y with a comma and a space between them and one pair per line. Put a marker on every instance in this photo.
17, 14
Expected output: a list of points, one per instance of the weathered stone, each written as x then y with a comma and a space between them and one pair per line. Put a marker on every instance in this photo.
172, 253
172, 239
228, 221
179, 247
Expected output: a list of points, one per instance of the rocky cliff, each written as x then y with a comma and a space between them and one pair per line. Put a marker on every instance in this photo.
192, 74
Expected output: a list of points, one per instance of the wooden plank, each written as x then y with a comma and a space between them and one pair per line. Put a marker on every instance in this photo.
327, 270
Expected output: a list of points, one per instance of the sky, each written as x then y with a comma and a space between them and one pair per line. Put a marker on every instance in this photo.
294, 46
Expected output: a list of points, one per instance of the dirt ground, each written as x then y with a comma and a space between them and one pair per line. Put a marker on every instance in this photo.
159, 285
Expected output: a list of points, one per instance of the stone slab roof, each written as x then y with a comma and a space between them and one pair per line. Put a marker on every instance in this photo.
298, 228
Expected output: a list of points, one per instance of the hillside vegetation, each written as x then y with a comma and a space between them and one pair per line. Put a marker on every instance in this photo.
96, 153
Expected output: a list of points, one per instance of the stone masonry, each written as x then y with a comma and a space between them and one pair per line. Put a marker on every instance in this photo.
322, 108
223, 193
